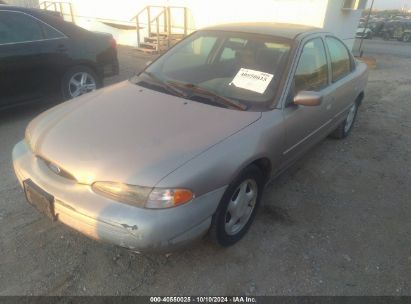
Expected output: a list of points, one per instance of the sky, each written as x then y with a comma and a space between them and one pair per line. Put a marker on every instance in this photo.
390, 4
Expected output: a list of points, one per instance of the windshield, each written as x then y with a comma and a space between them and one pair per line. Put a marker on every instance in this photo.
230, 68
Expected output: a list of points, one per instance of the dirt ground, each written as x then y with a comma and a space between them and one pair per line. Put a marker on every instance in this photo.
337, 223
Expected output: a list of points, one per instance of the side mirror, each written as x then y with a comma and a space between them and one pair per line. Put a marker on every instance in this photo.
308, 98
148, 63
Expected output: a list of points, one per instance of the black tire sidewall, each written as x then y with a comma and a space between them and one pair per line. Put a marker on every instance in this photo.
218, 223
74, 70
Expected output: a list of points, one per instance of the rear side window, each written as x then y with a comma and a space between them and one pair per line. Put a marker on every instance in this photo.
340, 58
312, 69
51, 33
18, 27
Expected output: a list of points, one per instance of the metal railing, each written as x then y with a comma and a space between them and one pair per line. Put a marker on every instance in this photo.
64, 8
163, 19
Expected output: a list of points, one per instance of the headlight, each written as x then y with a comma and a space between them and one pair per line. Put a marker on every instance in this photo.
144, 197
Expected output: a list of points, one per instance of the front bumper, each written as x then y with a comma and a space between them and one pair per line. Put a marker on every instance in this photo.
100, 218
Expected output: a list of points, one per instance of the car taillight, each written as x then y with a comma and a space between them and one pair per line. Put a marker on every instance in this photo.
113, 43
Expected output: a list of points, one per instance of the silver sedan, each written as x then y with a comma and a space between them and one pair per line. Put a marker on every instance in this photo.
186, 147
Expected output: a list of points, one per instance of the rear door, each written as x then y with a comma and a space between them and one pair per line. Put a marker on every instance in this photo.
20, 46
345, 89
56, 51
306, 125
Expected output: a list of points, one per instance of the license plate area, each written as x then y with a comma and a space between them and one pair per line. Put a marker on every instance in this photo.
40, 199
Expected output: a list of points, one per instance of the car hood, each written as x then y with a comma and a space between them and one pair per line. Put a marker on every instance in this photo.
126, 133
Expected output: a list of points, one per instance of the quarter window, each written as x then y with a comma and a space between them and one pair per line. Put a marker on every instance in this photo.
340, 58
312, 69
16, 27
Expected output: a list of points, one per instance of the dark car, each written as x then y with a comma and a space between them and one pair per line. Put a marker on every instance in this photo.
44, 56
398, 30
376, 27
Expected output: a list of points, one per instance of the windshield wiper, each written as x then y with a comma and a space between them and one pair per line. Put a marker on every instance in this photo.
165, 85
196, 89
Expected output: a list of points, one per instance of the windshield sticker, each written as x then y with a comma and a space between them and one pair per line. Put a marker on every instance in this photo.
252, 80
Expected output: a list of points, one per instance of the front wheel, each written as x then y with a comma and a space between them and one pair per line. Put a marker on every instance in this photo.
346, 126
406, 37
237, 208
78, 81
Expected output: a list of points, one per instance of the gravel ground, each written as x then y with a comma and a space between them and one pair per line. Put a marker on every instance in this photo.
336, 223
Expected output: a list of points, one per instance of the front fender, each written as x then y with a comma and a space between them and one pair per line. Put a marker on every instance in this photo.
219, 165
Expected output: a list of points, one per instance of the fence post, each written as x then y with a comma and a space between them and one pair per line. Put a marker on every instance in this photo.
72, 12
138, 31
165, 19
149, 20
158, 33
169, 30
185, 21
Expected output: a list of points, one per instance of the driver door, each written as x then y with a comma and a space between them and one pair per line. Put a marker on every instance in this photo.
306, 125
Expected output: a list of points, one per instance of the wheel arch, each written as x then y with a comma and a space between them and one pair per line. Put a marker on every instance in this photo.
264, 164
360, 98
86, 63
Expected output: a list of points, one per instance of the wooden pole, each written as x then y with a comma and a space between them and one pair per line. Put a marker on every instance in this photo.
365, 28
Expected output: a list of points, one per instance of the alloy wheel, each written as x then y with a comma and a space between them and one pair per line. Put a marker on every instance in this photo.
241, 206
81, 83
350, 118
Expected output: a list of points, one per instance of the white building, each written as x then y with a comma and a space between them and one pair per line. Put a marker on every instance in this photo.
116, 17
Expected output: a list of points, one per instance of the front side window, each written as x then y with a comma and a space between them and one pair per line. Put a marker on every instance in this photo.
312, 69
340, 58
17, 27
237, 66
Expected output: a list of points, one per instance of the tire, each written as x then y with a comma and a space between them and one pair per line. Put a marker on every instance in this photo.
406, 37
344, 129
72, 79
250, 183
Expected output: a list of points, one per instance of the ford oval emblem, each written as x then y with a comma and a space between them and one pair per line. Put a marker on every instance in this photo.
56, 169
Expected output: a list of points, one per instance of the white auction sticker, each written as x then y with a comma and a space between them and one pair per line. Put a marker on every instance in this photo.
252, 80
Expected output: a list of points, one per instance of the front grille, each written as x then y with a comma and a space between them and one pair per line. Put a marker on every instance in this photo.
57, 169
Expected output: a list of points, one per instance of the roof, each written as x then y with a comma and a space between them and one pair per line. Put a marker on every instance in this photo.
50, 17
20, 9
284, 30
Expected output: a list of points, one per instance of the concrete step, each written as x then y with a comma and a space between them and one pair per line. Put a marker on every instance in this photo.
151, 40
165, 34
154, 46
147, 50
149, 45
